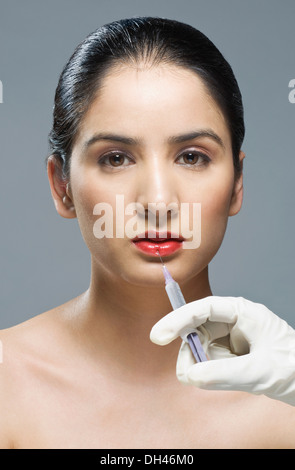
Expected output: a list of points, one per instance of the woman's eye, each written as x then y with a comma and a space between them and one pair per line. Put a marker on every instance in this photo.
193, 159
115, 160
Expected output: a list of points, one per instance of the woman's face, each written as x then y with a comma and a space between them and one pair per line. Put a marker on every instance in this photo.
153, 136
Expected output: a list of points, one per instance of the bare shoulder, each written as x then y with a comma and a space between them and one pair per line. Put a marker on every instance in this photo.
279, 423
5, 386
35, 334
29, 337
269, 423
27, 351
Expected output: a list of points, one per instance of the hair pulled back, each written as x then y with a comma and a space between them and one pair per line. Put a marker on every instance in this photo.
149, 41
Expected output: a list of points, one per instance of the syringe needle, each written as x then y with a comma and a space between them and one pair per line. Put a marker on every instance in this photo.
160, 258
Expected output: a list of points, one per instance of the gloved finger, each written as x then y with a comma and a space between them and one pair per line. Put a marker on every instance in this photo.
215, 339
209, 331
184, 362
237, 373
215, 350
185, 319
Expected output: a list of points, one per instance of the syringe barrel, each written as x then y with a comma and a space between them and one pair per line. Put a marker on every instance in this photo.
177, 300
175, 295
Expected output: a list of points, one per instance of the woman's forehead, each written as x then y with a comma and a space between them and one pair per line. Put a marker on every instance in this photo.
169, 100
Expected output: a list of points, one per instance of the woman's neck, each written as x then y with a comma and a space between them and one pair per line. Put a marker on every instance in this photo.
118, 318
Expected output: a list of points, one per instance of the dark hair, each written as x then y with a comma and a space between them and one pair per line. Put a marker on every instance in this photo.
137, 40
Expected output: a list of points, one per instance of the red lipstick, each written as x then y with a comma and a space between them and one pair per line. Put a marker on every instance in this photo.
155, 243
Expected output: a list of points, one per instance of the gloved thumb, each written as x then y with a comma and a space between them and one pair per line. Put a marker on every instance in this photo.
234, 373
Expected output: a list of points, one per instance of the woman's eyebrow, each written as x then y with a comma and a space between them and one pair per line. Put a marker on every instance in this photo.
110, 137
181, 138
178, 139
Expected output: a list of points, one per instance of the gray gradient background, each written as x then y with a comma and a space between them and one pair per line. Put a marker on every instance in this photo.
44, 261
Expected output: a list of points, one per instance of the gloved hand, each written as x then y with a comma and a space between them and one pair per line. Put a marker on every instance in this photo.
249, 348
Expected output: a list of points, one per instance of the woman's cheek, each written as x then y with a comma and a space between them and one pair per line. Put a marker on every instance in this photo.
215, 212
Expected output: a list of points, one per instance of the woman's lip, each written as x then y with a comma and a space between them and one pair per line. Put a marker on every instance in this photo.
157, 236
156, 247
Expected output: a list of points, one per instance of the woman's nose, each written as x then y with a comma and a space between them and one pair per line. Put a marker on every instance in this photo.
157, 191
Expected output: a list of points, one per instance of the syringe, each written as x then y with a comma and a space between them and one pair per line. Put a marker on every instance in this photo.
177, 300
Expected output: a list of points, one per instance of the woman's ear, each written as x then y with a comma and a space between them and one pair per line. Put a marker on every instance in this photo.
237, 195
60, 189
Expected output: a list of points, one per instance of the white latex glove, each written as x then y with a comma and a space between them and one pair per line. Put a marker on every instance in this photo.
249, 348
